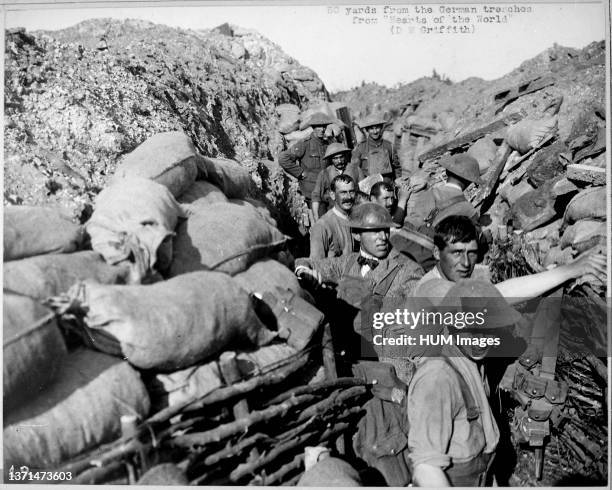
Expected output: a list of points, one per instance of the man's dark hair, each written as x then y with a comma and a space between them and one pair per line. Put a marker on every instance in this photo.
344, 178
377, 189
454, 229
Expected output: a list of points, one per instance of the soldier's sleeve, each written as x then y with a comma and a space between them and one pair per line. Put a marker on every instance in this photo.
356, 157
289, 158
319, 188
318, 241
331, 268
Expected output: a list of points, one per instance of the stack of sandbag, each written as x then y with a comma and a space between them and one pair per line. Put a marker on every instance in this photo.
225, 237
584, 220
289, 118
80, 410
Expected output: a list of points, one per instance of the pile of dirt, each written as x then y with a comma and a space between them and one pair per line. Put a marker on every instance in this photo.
78, 99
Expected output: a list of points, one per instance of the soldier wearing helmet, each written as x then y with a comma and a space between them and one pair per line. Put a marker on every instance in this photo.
337, 160
376, 155
304, 159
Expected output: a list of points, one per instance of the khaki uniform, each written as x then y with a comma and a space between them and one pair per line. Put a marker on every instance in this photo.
304, 160
331, 236
450, 420
376, 157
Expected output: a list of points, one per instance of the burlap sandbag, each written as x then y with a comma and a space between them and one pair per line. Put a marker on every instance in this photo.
171, 324
258, 206
33, 347
167, 158
587, 204
529, 133
34, 230
80, 411
584, 234
264, 276
296, 136
224, 237
50, 275
202, 193
131, 220
180, 386
289, 118
228, 175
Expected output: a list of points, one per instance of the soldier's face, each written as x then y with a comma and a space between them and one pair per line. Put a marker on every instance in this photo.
374, 132
457, 260
375, 242
385, 199
344, 195
318, 131
339, 161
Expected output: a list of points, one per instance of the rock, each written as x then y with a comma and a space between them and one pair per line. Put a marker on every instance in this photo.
545, 165
534, 209
563, 187
587, 174
512, 193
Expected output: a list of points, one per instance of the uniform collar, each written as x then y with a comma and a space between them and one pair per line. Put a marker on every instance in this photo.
339, 213
375, 143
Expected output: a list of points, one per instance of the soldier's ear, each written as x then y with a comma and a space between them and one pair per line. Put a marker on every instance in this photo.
436, 252
332, 195
356, 237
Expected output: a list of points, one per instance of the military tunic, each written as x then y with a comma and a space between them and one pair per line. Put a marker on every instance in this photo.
304, 160
376, 157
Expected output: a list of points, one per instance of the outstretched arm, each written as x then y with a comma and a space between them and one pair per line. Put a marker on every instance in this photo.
518, 289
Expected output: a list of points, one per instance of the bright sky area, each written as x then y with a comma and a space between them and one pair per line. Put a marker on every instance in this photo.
345, 53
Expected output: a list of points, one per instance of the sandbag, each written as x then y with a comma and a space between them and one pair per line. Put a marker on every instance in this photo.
167, 158
264, 276
258, 206
180, 386
529, 133
171, 324
35, 230
228, 175
289, 118
587, 204
484, 151
164, 474
33, 346
202, 193
330, 473
584, 234
131, 219
80, 411
296, 136
50, 275
223, 237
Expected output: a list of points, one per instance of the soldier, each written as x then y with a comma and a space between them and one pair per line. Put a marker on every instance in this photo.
376, 155
304, 159
383, 193
337, 154
426, 209
456, 250
331, 235
452, 433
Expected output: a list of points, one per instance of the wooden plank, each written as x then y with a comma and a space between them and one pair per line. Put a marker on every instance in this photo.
470, 137
586, 173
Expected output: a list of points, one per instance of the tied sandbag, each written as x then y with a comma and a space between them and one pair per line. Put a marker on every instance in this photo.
588, 204
484, 151
258, 206
180, 386
131, 219
50, 275
296, 136
529, 133
164, 474
202, 193
223, 237
35, 230
167, 158
266, 275
33, 347
80, 411
171, 324
228, 175
584, 234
